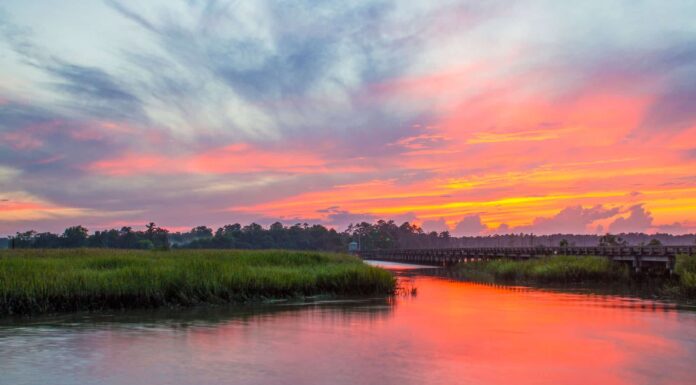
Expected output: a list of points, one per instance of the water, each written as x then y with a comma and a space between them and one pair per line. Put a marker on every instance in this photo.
450, 333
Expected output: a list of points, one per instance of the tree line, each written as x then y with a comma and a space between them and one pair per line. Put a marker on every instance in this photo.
302, 236
78, 236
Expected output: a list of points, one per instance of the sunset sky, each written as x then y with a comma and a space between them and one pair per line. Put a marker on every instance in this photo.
477, 117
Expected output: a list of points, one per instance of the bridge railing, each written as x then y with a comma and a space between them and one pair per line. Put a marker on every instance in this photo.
637, 256
519, 252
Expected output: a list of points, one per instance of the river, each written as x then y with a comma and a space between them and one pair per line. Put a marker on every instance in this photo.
450, 332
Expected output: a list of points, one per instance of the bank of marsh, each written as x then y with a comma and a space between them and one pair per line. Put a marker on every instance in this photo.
557, 269
585, 269
39, 281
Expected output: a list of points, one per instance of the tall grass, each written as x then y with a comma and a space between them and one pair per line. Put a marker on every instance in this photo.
36, 281
586, 269
557, 269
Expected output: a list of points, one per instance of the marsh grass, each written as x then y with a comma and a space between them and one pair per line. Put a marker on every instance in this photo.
557, 269
40, 281
570, 270
686, 270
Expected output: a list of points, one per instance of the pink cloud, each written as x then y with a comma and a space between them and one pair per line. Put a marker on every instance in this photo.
233, 159
22, 140
438, 225
573, 219
469, 225
242, 157
639, 220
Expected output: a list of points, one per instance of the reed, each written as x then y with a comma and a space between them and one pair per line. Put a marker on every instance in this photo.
40, 281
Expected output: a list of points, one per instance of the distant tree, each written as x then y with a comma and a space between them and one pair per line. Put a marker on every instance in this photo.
607, 240
202, 232
23, 240
276, 227
654, 242
157, 235
75, 236
227, 236
46, 241
563, 243
151, 228
127, 238
279, 235
611, 240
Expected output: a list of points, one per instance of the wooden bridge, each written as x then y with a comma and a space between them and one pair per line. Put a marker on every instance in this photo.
639, 257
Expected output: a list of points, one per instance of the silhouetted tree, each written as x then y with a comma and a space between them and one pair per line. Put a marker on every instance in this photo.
202, 232
654, 242
611, 240
75, 236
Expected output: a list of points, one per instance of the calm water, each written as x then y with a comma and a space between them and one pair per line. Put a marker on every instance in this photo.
450, 333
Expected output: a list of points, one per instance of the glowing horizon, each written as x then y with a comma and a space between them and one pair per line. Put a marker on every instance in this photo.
533, 117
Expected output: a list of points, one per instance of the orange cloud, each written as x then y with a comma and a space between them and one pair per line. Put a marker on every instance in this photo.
24, 207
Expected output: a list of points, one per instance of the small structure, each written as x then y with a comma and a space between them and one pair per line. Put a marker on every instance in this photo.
353, 247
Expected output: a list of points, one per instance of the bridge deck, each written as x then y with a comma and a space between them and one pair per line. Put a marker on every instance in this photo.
637, 256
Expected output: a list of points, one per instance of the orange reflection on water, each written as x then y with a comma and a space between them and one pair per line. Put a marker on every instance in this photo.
495, 335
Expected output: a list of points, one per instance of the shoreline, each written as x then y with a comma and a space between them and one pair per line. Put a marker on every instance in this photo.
585, 273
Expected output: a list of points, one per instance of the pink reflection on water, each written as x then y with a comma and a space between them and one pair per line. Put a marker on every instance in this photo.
450, 333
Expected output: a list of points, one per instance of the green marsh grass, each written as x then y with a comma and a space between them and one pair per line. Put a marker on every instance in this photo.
40, 281
592, 270
557, 269
686, 270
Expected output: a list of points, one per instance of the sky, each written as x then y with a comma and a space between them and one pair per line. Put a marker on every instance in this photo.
473, 117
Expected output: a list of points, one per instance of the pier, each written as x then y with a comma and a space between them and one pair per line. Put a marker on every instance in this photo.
639, 257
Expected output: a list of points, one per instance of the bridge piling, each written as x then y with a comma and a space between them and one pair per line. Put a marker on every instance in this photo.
637, 263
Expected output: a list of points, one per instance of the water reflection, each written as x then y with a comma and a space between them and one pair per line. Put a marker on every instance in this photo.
452, 332
205, 316
397, 266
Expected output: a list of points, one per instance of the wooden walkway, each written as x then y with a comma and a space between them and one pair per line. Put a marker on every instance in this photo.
638, 257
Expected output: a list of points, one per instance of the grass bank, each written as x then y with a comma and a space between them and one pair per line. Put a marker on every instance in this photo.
583, 270
558, 269
40, 281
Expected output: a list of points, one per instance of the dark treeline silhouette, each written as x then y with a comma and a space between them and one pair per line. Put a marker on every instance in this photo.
78, 236
379, 235
388, 235
255, 236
